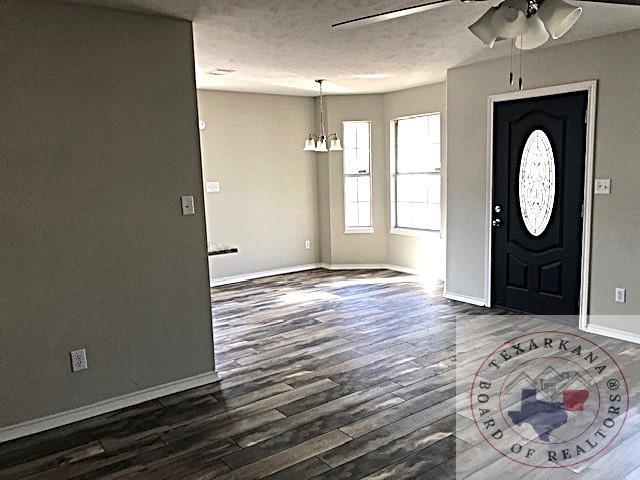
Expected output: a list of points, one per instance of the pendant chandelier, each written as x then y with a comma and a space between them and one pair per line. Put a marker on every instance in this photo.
318, 142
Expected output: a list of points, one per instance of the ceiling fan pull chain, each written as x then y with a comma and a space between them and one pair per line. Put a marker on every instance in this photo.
520, 80
511, 63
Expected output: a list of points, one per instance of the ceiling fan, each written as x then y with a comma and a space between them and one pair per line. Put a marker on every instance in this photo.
529, 23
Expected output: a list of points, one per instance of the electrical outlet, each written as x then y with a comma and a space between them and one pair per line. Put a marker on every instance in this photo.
307, 244
78, 360
603, 186
187, 205
621, 295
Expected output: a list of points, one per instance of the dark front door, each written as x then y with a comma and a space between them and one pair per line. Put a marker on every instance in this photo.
538, 189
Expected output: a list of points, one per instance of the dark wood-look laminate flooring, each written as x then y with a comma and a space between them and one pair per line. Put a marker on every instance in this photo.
324, 375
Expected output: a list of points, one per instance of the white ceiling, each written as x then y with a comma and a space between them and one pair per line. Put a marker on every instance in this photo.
281, 46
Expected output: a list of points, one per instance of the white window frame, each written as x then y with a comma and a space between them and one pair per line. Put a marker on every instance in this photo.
393, 136
357, 230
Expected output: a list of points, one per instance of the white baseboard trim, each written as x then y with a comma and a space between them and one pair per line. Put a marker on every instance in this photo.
265, 273
353, 266
613, 333
407, 270
481, 302
301, 268
372, 266
82, 413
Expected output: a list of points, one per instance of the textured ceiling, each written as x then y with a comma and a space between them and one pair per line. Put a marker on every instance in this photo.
281, 46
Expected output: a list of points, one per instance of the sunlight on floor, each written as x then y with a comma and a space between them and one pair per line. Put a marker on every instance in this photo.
307, 297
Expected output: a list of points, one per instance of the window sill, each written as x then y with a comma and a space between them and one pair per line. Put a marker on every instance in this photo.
408, 232
350, 230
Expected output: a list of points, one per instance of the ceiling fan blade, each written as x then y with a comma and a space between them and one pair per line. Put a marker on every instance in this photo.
615, 2
401, 12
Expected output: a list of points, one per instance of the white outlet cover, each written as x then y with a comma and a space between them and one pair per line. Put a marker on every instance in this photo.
621, 295
603, 186
213, 187
188, 207
78, 360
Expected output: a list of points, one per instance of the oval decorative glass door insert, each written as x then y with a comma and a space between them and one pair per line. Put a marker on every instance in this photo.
537, 182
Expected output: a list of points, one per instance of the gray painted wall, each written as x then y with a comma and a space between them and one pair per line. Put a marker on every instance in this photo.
424, 253
357, 248
613, 61
98, 140
324, 188
267, 206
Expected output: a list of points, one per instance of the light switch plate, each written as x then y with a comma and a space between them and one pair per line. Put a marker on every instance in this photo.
213, 187
603, 186
187, 205
202, 124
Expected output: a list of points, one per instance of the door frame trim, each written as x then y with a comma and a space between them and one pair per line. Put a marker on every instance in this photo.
591, 87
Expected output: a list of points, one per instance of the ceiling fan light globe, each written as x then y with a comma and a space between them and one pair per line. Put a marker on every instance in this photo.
559, 16
534, 35
483, 28
510, 20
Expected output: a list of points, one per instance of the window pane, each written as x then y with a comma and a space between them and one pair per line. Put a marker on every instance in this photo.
433, 220
434, 128
403, 188
413, 187
364, 214
418, 144
349, 132
356, 154
418, 188
403, 214
364, 188
419, 215
351, 189
351, 214
362, 132
432, 157
418, 204
362, 160
349, 156
433, 188
407, 146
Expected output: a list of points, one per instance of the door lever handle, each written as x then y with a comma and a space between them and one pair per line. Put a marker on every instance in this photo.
496, 222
